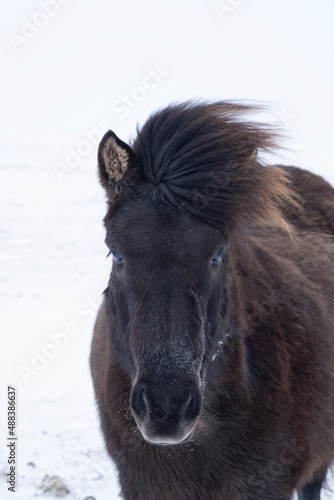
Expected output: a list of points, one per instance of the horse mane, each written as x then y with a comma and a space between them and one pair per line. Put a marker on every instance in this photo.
204, 158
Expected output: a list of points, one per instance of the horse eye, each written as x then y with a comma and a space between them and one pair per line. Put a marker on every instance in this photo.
218, 257
117, 257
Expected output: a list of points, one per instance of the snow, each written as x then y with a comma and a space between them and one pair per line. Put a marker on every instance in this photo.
54, 271
59, 437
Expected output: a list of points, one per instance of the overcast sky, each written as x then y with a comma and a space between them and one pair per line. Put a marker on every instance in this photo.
72, 67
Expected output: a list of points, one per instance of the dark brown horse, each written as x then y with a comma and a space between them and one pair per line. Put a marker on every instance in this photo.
213, 350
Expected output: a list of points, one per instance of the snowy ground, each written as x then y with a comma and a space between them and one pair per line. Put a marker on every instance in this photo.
53, 273
54, 270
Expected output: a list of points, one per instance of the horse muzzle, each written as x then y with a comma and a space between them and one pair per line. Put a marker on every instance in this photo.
166, 414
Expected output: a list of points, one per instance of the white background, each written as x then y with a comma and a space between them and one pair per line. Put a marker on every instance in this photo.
70, 70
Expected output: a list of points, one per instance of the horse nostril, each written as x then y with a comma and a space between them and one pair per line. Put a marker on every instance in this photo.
139, 402
191, 407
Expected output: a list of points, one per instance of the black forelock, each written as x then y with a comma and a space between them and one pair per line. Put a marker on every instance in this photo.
202, 157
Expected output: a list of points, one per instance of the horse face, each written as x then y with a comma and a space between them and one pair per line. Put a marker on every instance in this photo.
164, 297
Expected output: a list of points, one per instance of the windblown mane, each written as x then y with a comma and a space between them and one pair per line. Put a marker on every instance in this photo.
204, 158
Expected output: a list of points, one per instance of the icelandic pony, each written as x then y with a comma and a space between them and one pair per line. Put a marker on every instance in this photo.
213, 350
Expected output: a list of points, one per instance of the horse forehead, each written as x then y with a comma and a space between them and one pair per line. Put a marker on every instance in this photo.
160, 228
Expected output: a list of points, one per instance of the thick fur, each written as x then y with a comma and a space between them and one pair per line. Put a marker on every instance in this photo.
267, 423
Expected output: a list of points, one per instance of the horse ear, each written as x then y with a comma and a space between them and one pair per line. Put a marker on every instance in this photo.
118, 165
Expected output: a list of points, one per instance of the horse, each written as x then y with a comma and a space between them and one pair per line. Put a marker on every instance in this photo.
212, 356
